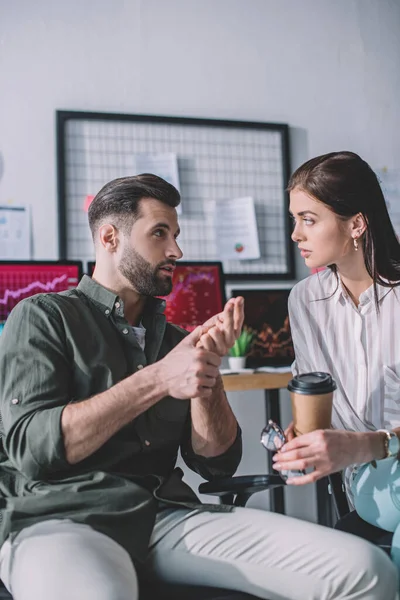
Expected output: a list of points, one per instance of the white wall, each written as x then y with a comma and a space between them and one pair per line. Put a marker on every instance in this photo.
328, 68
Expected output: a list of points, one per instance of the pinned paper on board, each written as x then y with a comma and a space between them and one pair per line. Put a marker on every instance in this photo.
164, 165
15, 233
236, 229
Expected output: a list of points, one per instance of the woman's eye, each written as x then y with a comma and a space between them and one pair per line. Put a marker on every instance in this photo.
306, 221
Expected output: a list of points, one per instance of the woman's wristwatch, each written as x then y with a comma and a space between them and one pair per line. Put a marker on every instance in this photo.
392, 443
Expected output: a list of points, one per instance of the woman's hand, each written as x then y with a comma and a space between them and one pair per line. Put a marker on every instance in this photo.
289, 432
325, 451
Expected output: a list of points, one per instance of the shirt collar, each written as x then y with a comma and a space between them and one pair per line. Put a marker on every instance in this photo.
108, 300
366, 297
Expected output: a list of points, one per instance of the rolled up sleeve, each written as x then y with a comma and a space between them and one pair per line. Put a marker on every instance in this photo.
35, 379
215, 467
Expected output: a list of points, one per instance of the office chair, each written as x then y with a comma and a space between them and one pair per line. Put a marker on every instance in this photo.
350, 522
235, 491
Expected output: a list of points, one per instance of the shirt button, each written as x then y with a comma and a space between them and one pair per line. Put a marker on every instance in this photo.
147, 442
139, 367
117, 305
14, 401
107, 311
125, 331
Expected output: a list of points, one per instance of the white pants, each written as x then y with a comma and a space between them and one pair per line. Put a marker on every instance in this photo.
265, 554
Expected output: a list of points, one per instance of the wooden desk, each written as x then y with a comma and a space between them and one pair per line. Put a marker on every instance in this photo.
271, 383
256, 381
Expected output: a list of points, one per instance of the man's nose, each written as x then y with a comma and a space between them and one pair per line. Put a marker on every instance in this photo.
174, 251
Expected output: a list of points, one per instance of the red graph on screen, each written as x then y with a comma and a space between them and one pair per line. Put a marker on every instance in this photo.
34, 287
196, 295
21, 281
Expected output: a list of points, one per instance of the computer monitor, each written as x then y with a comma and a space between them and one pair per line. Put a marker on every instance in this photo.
198, 293
266, 314
20, 279
90, 267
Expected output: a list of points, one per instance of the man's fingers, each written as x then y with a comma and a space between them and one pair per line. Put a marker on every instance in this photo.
206, 342
204, 392
228, 315
238, 315
208, 382
221, 340
211, 358
219, 317
211, 322
210, 371
194, 336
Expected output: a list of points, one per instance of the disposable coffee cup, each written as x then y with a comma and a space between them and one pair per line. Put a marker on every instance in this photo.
311, 396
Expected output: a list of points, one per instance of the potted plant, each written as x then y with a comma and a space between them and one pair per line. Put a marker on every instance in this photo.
240, 349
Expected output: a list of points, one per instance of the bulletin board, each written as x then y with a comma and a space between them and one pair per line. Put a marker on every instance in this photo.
216, 160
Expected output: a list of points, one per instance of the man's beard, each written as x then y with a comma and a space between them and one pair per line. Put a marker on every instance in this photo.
143, 277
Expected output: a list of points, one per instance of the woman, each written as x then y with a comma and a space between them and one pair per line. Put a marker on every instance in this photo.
344, 320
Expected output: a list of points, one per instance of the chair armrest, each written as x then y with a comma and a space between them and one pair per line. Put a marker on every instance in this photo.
337, 489
245, 484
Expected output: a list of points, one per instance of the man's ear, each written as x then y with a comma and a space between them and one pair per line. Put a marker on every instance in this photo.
108, 237
358, 225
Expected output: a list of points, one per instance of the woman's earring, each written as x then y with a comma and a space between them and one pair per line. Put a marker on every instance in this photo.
355, 244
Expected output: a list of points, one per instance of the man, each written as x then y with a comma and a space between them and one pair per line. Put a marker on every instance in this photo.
97, 395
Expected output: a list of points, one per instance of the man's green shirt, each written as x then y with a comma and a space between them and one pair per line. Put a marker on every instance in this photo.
67, 347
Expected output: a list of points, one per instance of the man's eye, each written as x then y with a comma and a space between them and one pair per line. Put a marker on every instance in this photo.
159, 233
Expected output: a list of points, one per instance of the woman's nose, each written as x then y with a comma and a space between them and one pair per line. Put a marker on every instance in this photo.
296, 237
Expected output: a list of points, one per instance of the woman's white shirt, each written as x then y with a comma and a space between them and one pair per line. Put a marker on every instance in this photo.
358, 346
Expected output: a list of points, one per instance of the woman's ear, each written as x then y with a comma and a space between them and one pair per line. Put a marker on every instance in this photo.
358, 225
108, 237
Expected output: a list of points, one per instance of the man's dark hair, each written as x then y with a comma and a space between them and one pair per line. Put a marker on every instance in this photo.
120, 200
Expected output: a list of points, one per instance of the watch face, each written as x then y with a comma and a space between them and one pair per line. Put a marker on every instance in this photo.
394, 444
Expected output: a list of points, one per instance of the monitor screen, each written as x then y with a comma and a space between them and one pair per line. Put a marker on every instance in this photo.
198, 293
20, 279
266, 314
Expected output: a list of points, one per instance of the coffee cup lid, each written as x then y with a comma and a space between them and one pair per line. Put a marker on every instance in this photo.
312, 383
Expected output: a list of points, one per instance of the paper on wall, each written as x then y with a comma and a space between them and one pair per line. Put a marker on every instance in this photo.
236, 229
15, 233
164, 165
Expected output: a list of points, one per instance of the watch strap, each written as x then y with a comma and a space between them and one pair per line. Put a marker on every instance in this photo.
389, 435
